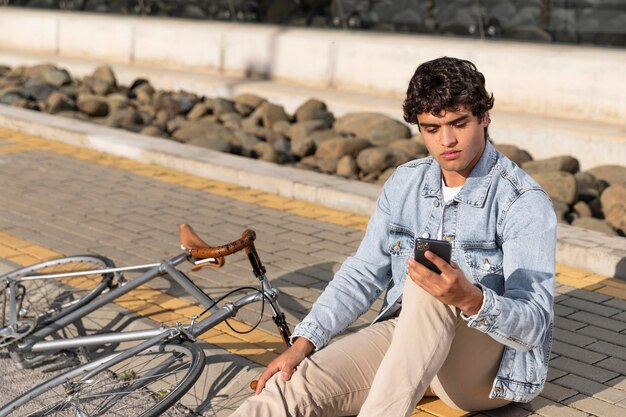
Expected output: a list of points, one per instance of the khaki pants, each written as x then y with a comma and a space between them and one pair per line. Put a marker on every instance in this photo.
385, 369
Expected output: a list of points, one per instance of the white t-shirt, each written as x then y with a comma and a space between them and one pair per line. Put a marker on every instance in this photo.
448, 195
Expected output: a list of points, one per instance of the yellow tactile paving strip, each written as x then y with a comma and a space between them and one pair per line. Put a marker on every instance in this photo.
261, 347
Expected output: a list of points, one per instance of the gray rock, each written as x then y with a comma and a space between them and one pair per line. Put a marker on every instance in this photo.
56, 77
127, 118
378, 159
249, 100
198, 111
597, 225
561, 210
302, 148
185, 101
412, 148
272, 113
327, 165
378, 128
582, 209
231, 120
616, 217
336, 148
10, 97
302, 130
382, 178
282, 127
73, 115
34, 71
97, 86
613, 201
244, 142
266, 152
514, 153
165, 101
309, 109
37, 90
117, 101
557, 163
219, 106
58, 102
309, 162
105, 73
243, 109
612, 174
154, 131
321, 136
560, 185
93, 106
347, 167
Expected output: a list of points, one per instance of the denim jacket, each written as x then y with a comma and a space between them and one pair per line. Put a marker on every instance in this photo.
503, 233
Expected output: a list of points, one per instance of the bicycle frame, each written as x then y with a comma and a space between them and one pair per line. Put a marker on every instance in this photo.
35, 343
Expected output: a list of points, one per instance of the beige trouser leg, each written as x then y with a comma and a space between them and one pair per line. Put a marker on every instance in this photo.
398, 359
431, 343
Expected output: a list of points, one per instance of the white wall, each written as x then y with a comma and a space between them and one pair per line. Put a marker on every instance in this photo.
574, 82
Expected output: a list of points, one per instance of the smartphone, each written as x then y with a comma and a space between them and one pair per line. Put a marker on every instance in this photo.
441, 248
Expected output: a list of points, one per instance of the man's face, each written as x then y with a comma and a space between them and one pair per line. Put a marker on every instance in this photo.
456, 140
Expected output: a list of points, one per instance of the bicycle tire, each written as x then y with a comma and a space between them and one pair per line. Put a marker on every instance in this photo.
44, 301
119, 388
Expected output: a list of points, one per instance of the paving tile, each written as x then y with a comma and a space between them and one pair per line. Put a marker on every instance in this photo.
609, 349
604, 334
592, 307
582, 369
605, 323
591, 388
572, 338
596, 407
568, 324
613, 364
547, 408
577, 353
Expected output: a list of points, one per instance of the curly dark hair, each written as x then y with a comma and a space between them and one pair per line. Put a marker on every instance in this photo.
446, 84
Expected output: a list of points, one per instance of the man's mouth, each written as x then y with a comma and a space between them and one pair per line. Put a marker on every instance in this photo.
451, 154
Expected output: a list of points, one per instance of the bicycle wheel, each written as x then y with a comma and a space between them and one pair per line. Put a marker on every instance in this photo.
145, 384
42, 301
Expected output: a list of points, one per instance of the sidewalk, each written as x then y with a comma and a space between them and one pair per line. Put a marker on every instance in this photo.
60, 199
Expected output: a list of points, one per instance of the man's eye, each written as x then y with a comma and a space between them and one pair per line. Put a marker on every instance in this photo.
460, 125
432, 130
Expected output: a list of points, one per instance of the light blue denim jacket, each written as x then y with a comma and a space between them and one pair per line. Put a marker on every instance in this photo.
503, 234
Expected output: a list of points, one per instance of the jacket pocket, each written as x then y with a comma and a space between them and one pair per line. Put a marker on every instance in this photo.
483, 260
401, 241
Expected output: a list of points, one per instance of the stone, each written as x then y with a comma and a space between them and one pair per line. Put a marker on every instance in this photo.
347, 167
559, 185
302, 130
37, 90
165, 101
98, 87
327, 165
613, 201
309, 162
73, 115
58, 102
219, 106
56, 77
243, 109
382, 178
561, 210
378, 128
105, 73
198, 111
378, 159
117, 101
10, 97
412, 148
34, 71
612, 174
127, 118
598, 225
272, 113
249, 100
514, 153
190, 131
582, 209
93, 106
266, 152
243, 143
308, 110
302, 148
320, 136
282, 127
616, 217
336, 148
154, 131
139, 82
185, 101
557, 163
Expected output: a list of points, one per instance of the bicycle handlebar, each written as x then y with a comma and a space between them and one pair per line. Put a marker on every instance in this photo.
246, 240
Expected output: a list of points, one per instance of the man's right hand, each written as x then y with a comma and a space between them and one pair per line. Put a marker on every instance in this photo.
286, 362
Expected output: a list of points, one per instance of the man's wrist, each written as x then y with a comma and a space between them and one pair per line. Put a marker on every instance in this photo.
474, 302
304, 346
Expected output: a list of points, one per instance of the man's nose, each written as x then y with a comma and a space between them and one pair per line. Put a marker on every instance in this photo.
448, 139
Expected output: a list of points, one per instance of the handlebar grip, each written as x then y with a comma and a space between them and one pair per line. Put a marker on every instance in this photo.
247, 239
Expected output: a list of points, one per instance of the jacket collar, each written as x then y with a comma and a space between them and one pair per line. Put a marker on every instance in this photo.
474, 191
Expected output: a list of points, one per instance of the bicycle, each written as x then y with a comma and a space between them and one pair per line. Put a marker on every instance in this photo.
146, 379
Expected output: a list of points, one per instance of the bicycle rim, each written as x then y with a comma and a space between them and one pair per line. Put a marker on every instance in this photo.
43, 301
145, 385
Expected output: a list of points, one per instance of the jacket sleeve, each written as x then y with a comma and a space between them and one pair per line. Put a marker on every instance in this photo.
357, 284
520, 318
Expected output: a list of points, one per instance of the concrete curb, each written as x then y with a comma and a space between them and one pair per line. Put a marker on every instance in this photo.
576, 247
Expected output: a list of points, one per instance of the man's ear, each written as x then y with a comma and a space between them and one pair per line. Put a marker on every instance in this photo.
486, 120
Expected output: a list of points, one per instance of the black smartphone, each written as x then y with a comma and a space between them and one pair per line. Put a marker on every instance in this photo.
441, 248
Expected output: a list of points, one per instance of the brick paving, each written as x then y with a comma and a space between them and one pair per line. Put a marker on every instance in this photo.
60, 199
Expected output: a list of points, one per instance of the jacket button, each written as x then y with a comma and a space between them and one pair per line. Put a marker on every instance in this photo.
425, 235
436, 203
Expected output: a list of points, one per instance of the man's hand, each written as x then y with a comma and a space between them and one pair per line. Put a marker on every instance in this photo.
451, 287
286, 362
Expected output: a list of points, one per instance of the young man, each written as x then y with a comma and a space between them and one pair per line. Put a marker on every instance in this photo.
477, 335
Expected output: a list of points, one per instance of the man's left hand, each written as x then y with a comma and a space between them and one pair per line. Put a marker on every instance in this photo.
450, 287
